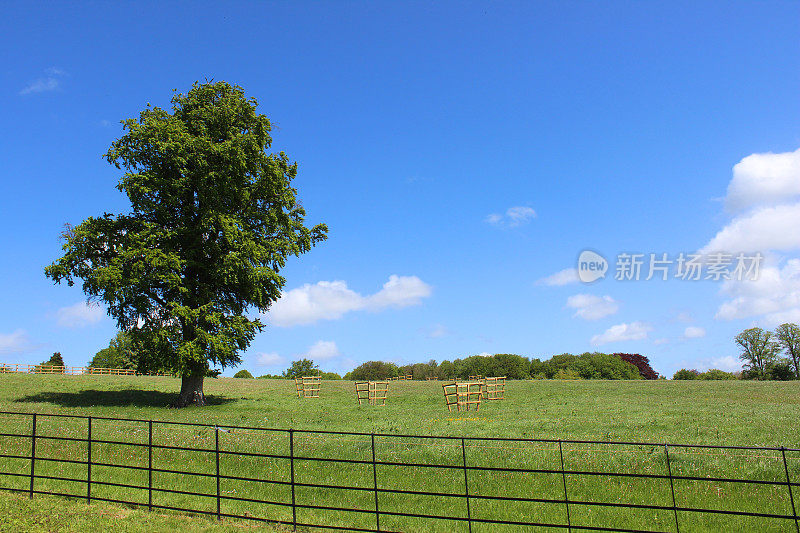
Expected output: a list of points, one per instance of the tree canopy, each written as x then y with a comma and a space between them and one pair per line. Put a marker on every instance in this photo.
373, 371
303, 367
55, 361
120, 353
759, 351
213, 219
788, 336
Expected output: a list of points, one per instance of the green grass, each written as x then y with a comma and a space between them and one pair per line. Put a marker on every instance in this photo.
52, 514
719, 413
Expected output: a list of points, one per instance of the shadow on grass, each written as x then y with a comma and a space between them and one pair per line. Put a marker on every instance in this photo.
114, 398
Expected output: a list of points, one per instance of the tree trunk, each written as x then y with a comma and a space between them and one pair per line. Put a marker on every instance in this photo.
191, 392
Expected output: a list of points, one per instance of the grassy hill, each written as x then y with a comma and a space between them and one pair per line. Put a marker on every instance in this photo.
697, 412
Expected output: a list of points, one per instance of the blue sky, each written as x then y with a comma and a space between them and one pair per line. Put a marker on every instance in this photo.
461, 154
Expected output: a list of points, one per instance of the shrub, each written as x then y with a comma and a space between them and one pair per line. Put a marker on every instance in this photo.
303, 367
330, 375
537, 367
716, 374
243, 373
567, 373
683, 373
445, 370
604, 366
373, 371
782, 370
589, 365
512, 366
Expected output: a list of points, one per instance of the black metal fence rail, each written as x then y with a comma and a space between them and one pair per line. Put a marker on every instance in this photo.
467, 519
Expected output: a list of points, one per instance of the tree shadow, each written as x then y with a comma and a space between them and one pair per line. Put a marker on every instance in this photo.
114, 398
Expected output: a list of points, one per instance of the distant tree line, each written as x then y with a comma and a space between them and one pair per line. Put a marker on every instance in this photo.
767, 355
713, 374
565, 366
123, 352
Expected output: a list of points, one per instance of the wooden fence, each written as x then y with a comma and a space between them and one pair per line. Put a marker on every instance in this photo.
71, 370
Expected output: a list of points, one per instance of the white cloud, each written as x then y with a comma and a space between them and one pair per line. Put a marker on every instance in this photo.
47, 83
437, 332
269, 359
764, 179
485, 354
694, 332
728, 363
520, 215
399, 292
15, 342
513, 217
319, 351
591, 307
79, 314
662, 340
766, 228
623, 332
329, 300
560, 278
322, 350
325, 300
763, 198
775, 295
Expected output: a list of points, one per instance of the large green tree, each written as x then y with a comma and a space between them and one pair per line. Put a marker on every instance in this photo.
213, 219
789, 340
759, 351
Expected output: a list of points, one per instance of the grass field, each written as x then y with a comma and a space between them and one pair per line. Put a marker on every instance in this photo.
718, 413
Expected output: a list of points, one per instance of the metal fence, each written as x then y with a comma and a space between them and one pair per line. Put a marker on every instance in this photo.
98, 455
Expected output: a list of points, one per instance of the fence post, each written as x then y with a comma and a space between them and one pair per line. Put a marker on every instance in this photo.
33, 452
375, 485
149, 465
89, 462
466, 482
291, 467
789, 484
216, 448
672, 488
564, 481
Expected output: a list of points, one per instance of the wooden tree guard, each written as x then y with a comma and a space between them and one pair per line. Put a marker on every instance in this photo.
372, 392
463, 395
431, 378
494, 388
476, 377
308, 386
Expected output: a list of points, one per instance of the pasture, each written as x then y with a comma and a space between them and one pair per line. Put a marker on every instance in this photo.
693, 412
